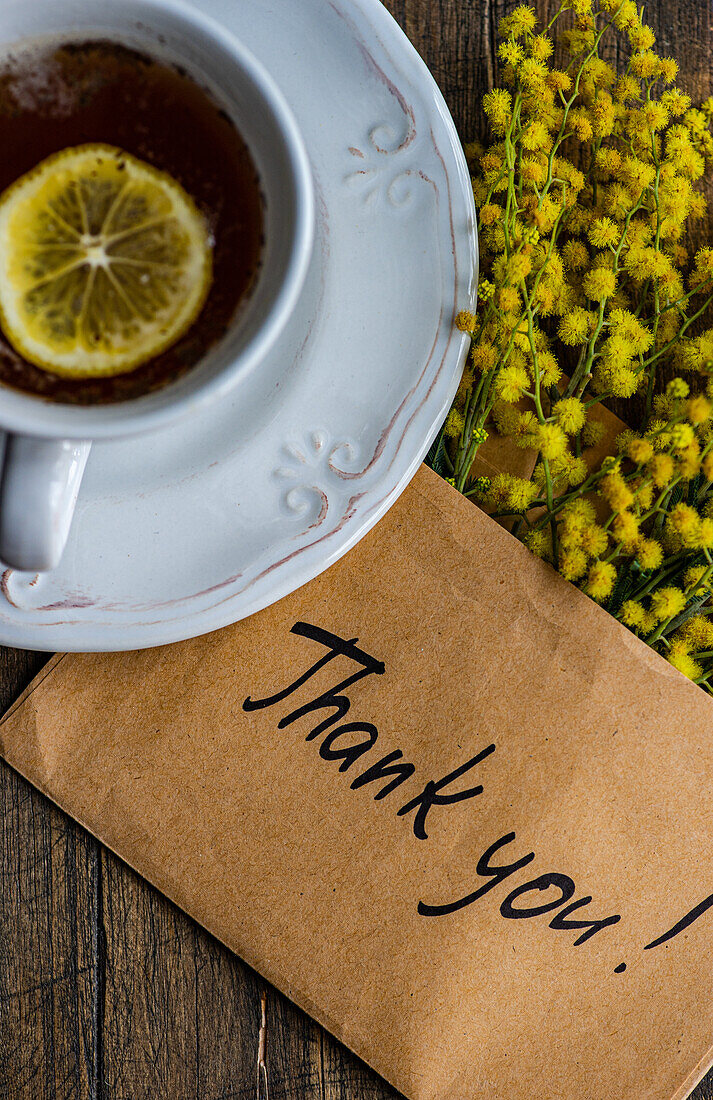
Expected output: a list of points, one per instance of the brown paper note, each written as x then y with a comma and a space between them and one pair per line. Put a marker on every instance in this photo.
437, 796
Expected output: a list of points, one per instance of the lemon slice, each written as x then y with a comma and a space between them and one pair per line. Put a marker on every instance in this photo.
104, 262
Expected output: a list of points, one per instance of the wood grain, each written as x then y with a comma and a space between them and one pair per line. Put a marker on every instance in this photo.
107, 991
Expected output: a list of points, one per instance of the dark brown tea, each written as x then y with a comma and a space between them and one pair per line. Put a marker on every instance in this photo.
99, 91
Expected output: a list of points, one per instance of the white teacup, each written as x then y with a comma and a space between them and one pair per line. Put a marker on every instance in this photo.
47, 443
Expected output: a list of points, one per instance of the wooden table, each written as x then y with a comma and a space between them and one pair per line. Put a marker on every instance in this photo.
107, 991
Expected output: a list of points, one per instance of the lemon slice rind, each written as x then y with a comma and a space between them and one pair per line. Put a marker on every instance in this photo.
105, 262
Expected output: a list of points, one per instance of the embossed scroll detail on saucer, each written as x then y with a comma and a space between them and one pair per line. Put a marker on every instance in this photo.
307, 466
316, 470
388, 167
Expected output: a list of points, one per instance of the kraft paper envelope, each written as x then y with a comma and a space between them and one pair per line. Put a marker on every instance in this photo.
437, 796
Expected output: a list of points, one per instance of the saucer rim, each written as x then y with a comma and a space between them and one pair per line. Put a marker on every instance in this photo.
80, 635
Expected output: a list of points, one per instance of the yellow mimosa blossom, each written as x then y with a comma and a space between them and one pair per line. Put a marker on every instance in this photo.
703, 269
558, 81
575, 470
603, 233
550, 370
594, 541
573, 564
544, 299
599, 283
518, 267
643, 489
707, 466
645, 65
695, 580
466, 321
521, 21
535, 136
680, 659
574, 327
575, 255
550, 440
498, 106
592, 433
484, 356
510, 382
676, 102
628, 328
667, 602
649, 553
668, 69
659, 432
625, 529
698, 633
539, 542
509, 299
640, 451
600, 580
490, 213
632, 614
620, 381
534, 172
580, 123
661, 469
511, 493
641, 37
627, 88
689, 461
684, 521
455, 423
570, 414
682, 436
578, 513
505, 417
511, 53
532, 73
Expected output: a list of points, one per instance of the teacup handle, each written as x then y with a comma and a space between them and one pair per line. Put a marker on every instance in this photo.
38, 491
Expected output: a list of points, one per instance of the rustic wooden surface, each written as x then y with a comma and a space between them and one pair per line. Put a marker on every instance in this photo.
107, 991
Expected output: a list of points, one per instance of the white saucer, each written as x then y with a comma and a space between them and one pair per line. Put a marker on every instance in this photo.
192, 528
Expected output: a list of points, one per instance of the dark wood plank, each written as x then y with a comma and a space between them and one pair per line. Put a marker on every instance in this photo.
456, 39
49, 872
106, 989
181, 1014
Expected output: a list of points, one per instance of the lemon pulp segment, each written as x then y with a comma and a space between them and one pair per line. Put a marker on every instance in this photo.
104, 262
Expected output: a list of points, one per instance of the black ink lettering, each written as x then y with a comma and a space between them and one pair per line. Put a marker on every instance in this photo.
484, 870
561, 923
430, 796
306, 631
340, 705
684, 922
381, 769
331, 698
563, 883
337, 647
351, 754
